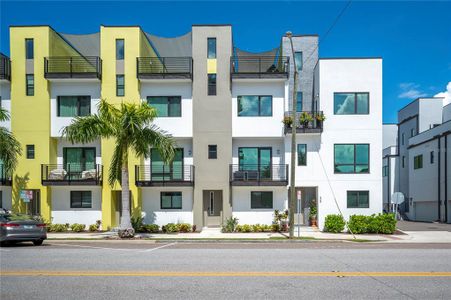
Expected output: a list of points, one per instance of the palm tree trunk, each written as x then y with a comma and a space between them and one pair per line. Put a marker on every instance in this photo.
125, 217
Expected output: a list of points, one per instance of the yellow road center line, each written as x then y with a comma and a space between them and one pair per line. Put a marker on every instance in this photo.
222, 274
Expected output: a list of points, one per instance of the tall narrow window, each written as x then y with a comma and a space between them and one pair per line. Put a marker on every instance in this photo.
351, 103
412, 132
120, 85
29, 48
211, 84
432, 157
212, 151
29, 84
30, 151
418, 162
119, 49
403, 162
299, 101
402, 139
302, 154
352, 158
211, 48
298, 59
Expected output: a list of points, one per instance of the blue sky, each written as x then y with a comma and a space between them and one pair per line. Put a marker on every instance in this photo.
414, 38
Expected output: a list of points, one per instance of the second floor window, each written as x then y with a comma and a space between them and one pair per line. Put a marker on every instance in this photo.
299, 101
352, 158
74, 106
302, 154
254, 106
166, 106
29, 84
351, 103
119, 49
211, 48
29, 48
418, 162
298, 60
120, 85
30, 151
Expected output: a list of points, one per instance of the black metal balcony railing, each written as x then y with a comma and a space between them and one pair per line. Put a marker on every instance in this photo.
306, 122
72, 67
71, 174
5, 179
259, 67
148, 175
5, 68
164, 67
259, 175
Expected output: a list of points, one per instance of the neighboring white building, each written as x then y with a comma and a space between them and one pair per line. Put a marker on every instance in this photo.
5, 103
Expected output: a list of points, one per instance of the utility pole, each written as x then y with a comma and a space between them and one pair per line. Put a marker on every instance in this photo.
292, 200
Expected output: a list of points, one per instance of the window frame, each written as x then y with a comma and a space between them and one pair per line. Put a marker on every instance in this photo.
29, 87
297, 101
30, 151
355, 104
117, 49
384, 171
297, 150
418, 162
168, 98
261, 199
172, 202
120, 86
358, 197
354, 164
403, 161
215, 48
58, 99
210, 152
27, 49
431, 158
212, 87
299, 68
259, 106
81, 199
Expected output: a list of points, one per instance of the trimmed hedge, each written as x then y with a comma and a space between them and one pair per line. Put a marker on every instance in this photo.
77, 227
334, 223
380, 223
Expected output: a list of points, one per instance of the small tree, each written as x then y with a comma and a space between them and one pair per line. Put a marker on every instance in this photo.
10, 148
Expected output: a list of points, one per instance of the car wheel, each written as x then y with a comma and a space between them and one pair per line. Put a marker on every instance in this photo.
38, 242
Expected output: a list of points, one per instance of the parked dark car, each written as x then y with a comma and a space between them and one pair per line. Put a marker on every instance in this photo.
21, 228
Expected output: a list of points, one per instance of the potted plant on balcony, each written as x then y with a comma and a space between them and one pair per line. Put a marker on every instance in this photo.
287, 121
305, 119
313, 214
320, 117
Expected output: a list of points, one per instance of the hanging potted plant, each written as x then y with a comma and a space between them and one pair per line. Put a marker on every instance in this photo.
313, 214
305, 119
320, 117
287, 121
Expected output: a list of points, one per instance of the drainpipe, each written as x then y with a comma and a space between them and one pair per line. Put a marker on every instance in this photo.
446, 178
438, 181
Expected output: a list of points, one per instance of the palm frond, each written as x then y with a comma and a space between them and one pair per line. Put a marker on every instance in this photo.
87, 129
4, 115
10, 149
154, 137
108, 112
115, 172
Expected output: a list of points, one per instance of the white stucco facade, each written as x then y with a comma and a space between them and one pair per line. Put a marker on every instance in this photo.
5, 94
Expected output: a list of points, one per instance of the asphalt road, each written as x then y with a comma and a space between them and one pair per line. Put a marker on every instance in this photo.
149, 270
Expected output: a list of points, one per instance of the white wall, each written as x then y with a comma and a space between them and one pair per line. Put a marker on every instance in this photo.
177, 126
241, 204
70, 89
64, 143
6, 197
259, 126
5, 94
151, 206
62, 212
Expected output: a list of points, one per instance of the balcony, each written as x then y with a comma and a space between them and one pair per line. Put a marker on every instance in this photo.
5, 68
146, 175
75, 67
261, 67
5, 179
165, 68
71, 174
306, 122
258, 175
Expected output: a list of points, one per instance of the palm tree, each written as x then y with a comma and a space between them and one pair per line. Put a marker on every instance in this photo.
130, 125
9, 147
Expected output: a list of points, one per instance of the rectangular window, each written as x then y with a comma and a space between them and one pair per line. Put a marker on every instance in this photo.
29, 48
73, 106
171, 200
120, 49
299, 101
80, 199
358, 199
412, 132
403, 162
432, 157
29, 84
351, 103
298, 60
254, 106
211, 47
402, 138
160, 171
166, 106
30, 151
120, 86
77, 159
352, 158
385, 171
261, 200
211, 84
212, 151
418, 162
302, 154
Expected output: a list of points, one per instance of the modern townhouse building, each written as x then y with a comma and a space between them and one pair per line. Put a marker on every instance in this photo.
418, 164
224, 106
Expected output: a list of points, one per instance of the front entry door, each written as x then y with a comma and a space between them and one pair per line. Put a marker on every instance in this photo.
212, 208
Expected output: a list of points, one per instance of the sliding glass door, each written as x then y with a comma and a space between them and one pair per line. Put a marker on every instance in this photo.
77, 160
163, 172
256, 160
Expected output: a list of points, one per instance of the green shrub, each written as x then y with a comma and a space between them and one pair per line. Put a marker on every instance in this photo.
334, 223
275, 227
184, 227
257, 228
170, 228
57, 227
267, 228
238, 228
230, 225
381, 223
358, 224
137, 223
77, 227
93, 227
150, 228
247, 228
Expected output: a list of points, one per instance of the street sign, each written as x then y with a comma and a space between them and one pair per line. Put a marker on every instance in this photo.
26, 195
397, 198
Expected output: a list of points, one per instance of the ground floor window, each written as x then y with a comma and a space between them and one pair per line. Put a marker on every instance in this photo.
171, 200
80, 199
358, 199
261, 200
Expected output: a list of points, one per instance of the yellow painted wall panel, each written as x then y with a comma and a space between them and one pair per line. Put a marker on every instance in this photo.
211, 66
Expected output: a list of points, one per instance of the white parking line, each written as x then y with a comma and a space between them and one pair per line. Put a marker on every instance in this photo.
94, 247
156, 248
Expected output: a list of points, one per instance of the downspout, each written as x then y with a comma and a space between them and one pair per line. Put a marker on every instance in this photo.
438, 181
388, 183
446, 178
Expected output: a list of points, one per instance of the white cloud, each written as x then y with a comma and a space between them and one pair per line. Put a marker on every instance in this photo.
410, 90
446, 94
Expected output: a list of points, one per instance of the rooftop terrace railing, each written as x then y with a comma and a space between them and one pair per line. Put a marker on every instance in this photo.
164, 67
259, 66
56, 67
